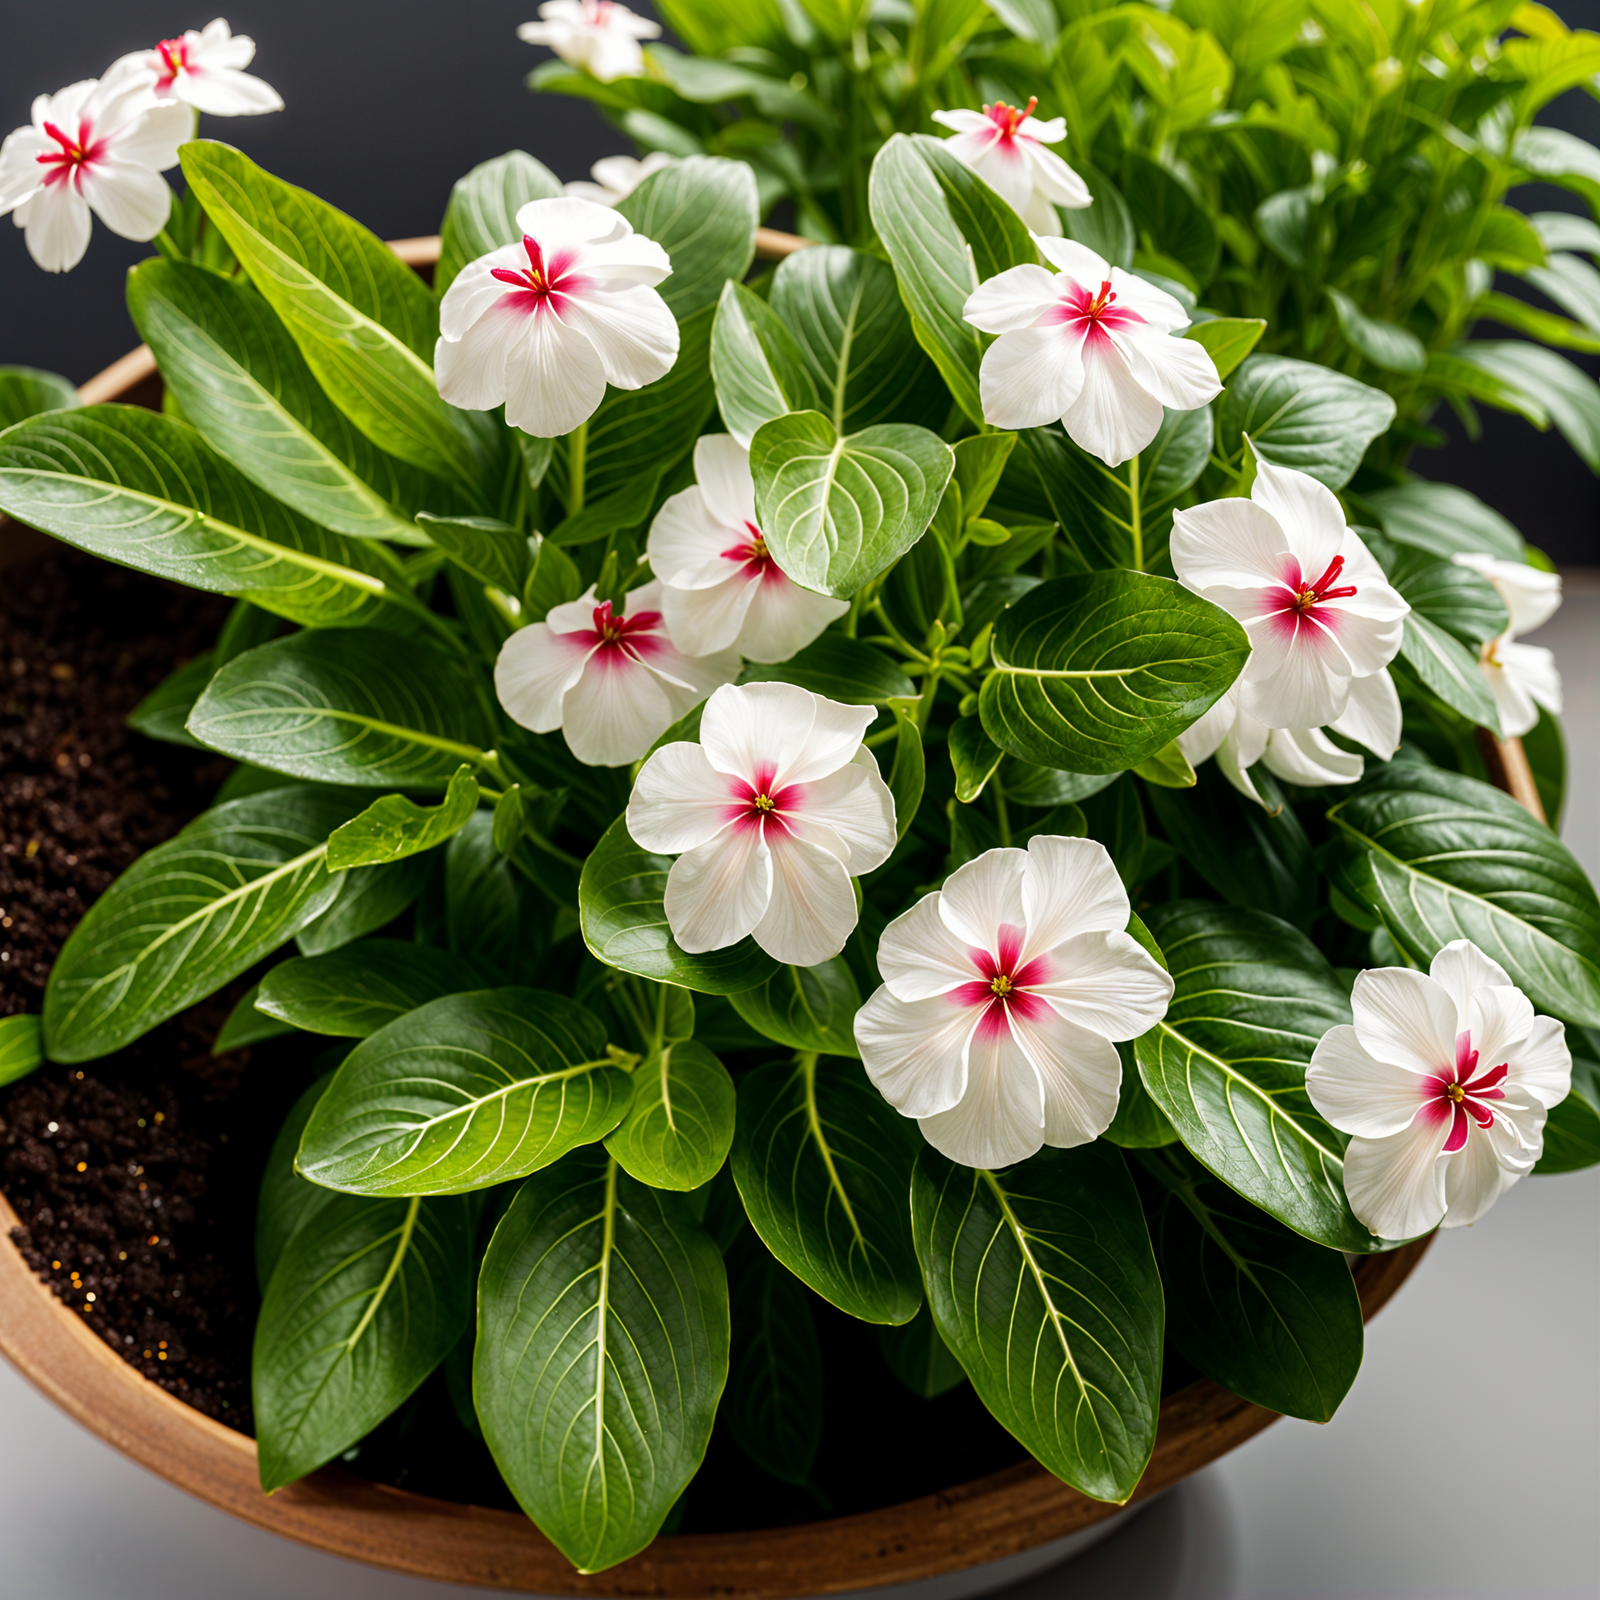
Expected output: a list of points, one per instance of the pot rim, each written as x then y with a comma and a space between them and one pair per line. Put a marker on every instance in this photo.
965, 1526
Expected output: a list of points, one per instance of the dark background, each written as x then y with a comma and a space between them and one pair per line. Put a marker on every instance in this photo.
390, 101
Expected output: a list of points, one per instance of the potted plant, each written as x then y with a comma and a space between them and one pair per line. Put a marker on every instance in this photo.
761, 793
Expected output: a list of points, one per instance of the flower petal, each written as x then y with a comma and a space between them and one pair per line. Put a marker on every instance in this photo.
1405, 1018
782, 617
133, 201
916, 1052
686, 543
920, 957
58, 227
1302, 681
535, 669
1396, 1185
1011, 300
722, 469
679, 801
1531, 597
718, 891
1541, 1066
1356, 1092
813, 907
1473, 1180
1114, 416
1105, 983
616, 710
1069, 887
1000, 1117
222, 92
1202, 739
855, 804
1179, 372
1502, 1019
1308, 756
1080, 1073
554, 379
984, 894
1030, 378
1372, 714
471, 370
1461, 969
633, 333
1075, 261
1052, 177
1231, 544
1308, 512
703, 619
562, 223
1156, 306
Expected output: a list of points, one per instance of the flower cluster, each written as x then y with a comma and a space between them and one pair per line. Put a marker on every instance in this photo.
101, 145
599, 37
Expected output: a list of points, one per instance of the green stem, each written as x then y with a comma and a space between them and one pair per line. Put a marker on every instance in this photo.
1136, 517
577, 467
1002, 816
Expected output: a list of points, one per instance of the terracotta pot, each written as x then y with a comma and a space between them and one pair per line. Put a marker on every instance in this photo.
967, 1540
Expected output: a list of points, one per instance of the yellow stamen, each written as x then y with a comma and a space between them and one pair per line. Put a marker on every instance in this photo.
1001, 986
764, 803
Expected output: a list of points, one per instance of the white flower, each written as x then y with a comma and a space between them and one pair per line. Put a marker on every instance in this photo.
722, 587
1006, 148
1305, 756
616, 177
1092, 346
1444, 1081
204, 70
774, 811
612, 683
1002, 995
97, 146
1318, 609
597, 36
1521, 677
544, 325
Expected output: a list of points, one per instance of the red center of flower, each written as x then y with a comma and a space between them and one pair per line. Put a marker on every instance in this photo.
622, 633
1004, 985
1091, 312
1295, 601
546, 281
754, 556
74, 154
174, 57
1308, 596
761, 804
1455, 1094
1007, 119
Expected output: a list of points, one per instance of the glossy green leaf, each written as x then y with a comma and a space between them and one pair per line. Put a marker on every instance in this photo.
1228, 1063
1385, 344
21, 1046
1562, 390
482, 213
189, 916
492, 913
243, 383
759, 370
823, 1165
359, 707
286, 1200
1443, 519
919, 1358
1227, 340
1106, 227
946, 232
805, 1008
1439, 856
1165, 208
907, 774
1301, 415
1042, 1282
146, 491
394, 827
164, 711
1168, 768
365, 1300
841, 668
491, 551
975, 757
1449, 669
1562, 158
1455, 597
1140, 1124
246, 1026
365, 324
1572, 1132
1265, 1313
703, 212
27, 391
1095, 673
680, 1121
368, 899
774, 1404
625, 1299
463, 1093
837, 511
625, 922
355, 990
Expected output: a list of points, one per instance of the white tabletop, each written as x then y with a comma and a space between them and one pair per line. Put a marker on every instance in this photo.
1465, 1462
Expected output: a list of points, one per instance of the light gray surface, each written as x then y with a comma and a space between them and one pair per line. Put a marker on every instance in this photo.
1465, 1462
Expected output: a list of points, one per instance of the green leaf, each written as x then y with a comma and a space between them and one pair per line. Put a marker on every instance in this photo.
365, 324
482, 213
774, 1405
980, 461
680, 1122
353, 991
493, 552
946, 232
919, 1358
822, 1165
1227, 340
1562, 158
1164, 207
620, 901
27, 391
974, 755
1545, 748
164, 711
369, 898
759, 370
1265, 1313
841, 668
837, 511
242, 382
1385, 344
625, 1298
1564, 391
805, 1008
189, 916
1545, 326
394, 827
246, 1026
1168, 768
1572, 1133
703, 212
907, 774
1574, 285
1439, 856
146, 491
286, 1200
1441, 518
465, 1092
1042, 1281
333, 706
21, 1046
1095, 673
1449, 669
1301, 415
1140, 1124
854, 335
1227, 1065
365, 1301
1458, 599
1104, 227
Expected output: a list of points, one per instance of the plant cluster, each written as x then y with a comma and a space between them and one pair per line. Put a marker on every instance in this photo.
850, 774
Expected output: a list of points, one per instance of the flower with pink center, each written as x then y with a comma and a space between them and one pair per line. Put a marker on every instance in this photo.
1521, 677
723, 587
611, 681
1006, 147
596, 36
1444, 1081
1003, 995
1318, 609
616, 177
1090, 346
96, 146
542, 326
770, 816
204, 70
